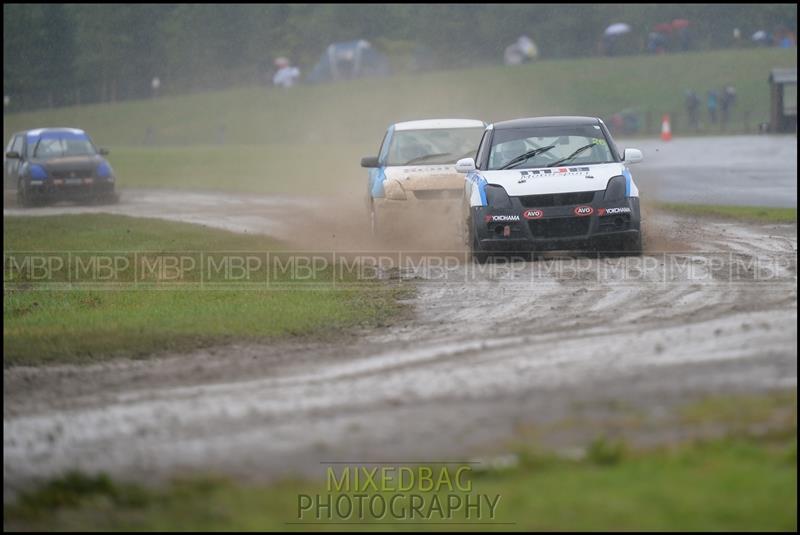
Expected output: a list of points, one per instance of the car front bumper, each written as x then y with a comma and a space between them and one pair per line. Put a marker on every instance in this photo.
585, 226
61, 189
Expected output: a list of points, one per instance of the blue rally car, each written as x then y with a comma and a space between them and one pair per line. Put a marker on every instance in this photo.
52, 164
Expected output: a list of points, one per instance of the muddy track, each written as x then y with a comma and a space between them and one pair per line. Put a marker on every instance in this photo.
484, 353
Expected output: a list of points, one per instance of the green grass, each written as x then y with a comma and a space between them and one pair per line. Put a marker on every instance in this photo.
740, 482
273, 169
311, 139
748, 213
48, 324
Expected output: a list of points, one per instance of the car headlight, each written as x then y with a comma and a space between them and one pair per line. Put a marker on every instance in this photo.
394, 191
616, 189
496, 197
103, 170
37, 172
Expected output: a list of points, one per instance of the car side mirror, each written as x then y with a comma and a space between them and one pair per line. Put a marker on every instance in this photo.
632, 156
104, 152
370, 161
465, 165
12, 154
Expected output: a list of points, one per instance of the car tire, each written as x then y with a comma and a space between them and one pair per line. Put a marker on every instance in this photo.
23, 195
108, 198
631, 245
373, 221
376, 223
477, 253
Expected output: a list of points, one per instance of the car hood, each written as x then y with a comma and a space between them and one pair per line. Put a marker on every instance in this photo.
554, 179
426, 177
70, 163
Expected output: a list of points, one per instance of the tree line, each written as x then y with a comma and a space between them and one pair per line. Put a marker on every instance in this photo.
65, 54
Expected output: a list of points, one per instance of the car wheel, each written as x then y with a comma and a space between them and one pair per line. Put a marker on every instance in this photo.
23, 195
631, 245
108, 198
477, 253
373, 221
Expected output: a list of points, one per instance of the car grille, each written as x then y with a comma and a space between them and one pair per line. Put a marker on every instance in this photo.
437, 194
563, 227
557, 199
76, 173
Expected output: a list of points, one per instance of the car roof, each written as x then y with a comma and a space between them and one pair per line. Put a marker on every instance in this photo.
54, 130
561, 120
433, 124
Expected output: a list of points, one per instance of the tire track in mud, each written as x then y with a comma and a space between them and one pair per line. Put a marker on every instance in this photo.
485, 353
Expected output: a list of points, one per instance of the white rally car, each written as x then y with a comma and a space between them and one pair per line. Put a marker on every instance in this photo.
550, 183
415, 171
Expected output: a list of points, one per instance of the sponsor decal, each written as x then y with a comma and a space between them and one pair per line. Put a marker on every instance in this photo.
614, 211
524, 175
583, 211
500, 218
561, 170
534, 213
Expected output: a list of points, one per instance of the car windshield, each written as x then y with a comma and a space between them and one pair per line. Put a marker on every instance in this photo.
433, 146
581, 144
58, 147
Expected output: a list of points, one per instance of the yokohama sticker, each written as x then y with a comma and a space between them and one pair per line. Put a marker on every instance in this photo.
500, 218
583, 210
533, 214
614, 211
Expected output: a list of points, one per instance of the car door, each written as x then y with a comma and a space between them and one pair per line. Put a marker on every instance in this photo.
12, 165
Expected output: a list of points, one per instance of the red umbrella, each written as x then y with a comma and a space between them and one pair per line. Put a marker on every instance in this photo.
679, 24
664, 27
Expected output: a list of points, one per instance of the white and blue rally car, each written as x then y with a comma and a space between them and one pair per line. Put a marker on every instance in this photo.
414, 173
550, 183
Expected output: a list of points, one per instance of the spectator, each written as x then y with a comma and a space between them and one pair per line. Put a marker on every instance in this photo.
711, 103
656, 43
726, 102
286, 76
682, 36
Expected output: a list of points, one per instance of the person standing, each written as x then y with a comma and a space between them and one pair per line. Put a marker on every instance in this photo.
711, 104
727, 101
286, 76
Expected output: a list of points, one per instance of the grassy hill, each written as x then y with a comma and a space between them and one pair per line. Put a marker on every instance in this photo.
264, 139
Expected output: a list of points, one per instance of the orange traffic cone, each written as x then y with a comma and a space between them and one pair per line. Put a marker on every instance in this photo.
666, 131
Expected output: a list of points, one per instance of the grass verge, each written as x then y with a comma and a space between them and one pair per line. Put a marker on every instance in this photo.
759, 214
740, 482
273, 169
136, 313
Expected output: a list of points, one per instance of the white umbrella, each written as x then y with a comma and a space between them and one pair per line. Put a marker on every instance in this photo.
617, 29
